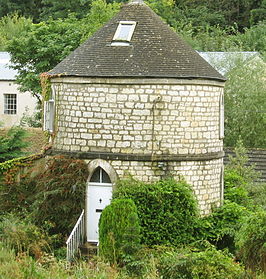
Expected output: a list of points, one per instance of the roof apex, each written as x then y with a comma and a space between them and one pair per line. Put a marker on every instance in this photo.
153, 51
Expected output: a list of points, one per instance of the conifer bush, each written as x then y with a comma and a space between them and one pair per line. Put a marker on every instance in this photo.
167, 210
119, 231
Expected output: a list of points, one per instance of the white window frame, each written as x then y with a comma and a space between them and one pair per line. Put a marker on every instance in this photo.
221, 120
121, 41
49, 113
100, 182
14, 103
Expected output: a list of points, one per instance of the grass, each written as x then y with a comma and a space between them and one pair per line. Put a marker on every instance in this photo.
22, 266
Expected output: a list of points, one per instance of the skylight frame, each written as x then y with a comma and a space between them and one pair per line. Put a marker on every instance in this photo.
117, 40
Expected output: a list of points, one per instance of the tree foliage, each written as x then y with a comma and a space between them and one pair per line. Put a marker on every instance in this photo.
61, 9
245, 105
11, 145
42, 46
12, 26
26, 8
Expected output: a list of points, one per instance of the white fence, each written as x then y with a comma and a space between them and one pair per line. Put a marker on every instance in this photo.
76, 237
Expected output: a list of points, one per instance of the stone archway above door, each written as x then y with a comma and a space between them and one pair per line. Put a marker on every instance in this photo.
107, 167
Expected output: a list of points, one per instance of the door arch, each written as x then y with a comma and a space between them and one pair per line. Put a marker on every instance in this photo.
98, 195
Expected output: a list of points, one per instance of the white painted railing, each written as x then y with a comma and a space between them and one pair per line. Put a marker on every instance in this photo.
76, 237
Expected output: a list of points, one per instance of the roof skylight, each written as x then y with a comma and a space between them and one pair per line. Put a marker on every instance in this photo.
124, 33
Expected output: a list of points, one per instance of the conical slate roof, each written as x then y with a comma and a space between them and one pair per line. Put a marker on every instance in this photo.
155, 51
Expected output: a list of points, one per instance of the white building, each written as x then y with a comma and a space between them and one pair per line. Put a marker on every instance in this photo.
13, 103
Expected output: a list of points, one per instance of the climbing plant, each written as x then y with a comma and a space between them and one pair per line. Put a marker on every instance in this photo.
56, 194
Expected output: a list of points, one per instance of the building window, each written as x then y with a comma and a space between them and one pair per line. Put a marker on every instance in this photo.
221, 116
49, 113
124, 33
10, 103
100, 176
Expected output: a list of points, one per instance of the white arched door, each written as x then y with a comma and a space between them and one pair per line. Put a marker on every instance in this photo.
99, 195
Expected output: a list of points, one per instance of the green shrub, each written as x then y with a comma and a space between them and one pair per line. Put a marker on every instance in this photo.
239, 165
235, 188
221, 226
207, 264
167, 210
251, 241
23, 236
257, 193
119, 231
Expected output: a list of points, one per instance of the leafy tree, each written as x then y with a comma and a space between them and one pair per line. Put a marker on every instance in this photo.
258, 12
12, 26
12, 144
61, 9
42, 46
26, 8
245, 105
232, 11
254, 38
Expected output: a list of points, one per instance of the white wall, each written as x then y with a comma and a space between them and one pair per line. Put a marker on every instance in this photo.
24, 100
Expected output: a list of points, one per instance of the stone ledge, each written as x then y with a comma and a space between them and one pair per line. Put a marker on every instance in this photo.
137, 157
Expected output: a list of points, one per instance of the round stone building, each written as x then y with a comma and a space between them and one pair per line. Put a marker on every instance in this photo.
136, 99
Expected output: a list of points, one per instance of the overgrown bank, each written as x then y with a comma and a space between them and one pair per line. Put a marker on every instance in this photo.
172, 241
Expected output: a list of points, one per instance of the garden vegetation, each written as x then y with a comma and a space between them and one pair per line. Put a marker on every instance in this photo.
150, 230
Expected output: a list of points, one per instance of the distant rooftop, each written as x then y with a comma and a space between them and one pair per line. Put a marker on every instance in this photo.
223, 62
5, 72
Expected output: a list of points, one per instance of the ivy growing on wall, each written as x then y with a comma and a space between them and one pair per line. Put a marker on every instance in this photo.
55, 195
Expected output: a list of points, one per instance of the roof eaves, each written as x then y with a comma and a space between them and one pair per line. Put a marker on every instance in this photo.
142, 77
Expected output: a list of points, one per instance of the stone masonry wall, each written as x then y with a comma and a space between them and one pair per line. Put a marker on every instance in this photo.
167, 118
205, 177
138, 118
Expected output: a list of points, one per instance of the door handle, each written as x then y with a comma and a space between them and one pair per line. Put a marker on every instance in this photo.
99, 210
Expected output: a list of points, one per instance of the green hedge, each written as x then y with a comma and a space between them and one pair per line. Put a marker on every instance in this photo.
167, 210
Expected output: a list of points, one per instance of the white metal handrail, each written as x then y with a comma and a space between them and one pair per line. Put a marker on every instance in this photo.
76, 237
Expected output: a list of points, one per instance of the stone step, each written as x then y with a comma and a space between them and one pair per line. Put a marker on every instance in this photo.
89, 249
